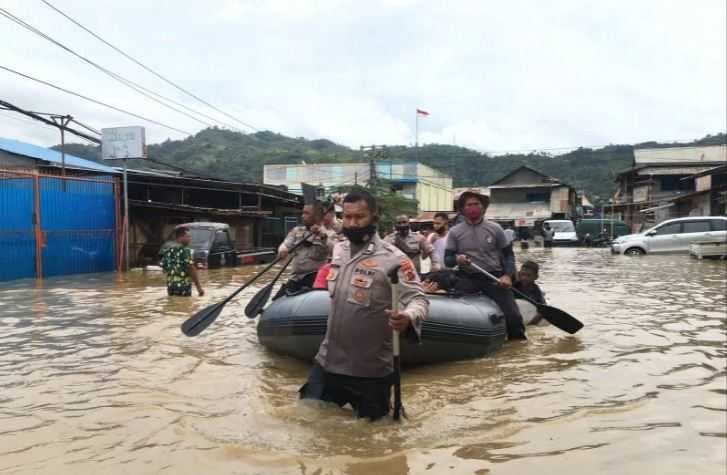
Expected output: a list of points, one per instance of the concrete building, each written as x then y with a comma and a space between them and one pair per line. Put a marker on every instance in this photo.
709, 197
259, 216
431, 188
647, 190
525, 197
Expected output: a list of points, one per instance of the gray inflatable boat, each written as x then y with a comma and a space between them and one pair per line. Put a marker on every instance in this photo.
456, 329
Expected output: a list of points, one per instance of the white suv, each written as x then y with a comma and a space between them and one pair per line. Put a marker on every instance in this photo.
674, 235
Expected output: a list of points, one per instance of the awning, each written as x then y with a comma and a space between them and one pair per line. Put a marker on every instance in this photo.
649, 210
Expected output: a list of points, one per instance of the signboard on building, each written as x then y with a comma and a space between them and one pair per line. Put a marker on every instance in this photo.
641, 194
123, 142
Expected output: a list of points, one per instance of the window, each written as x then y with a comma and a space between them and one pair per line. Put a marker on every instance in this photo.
719, 224
222, 240
675, 183
673, 228
696, 227
531, 197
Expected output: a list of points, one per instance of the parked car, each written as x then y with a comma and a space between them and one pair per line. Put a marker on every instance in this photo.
565, 232
594, 228
211, 244
674, 235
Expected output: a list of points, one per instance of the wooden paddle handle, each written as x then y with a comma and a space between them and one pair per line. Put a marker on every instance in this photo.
395, 308
394, 279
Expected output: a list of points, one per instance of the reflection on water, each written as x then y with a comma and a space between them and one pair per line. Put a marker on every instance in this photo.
95, 376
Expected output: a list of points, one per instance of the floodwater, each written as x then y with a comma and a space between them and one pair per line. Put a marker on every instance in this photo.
95, 377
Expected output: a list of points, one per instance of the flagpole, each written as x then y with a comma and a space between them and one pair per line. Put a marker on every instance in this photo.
416, 138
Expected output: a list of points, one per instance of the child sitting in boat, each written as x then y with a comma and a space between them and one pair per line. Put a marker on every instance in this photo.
525, 283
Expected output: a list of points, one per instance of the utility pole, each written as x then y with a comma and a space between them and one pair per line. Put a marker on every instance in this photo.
61, 122
372, 153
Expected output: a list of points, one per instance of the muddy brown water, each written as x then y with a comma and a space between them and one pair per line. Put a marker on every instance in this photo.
95, 377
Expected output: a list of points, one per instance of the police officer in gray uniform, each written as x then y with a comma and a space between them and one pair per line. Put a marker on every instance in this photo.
355, 361
484, 242
414, 245
310, 256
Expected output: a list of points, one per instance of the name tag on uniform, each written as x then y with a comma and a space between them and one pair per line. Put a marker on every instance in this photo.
361, 281
369, 263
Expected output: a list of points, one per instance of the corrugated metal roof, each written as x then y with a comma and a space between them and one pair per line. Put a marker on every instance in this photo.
678, 170
52, 156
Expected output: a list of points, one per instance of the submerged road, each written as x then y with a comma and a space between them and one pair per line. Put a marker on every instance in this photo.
95, 377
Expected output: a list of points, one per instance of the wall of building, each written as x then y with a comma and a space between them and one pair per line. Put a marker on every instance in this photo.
522, 177
708, 153
703, 183
8, 160
433, 198
326, 174
520, 195
560, 200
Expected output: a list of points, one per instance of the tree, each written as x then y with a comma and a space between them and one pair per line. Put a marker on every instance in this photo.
390, 203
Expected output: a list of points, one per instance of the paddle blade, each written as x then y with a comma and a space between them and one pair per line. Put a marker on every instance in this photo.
257, 303
560, 319
196, 324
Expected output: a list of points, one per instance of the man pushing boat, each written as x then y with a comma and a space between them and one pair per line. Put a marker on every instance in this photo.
355, 362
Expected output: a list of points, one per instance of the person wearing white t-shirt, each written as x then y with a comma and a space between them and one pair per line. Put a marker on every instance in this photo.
509, 234
438, 239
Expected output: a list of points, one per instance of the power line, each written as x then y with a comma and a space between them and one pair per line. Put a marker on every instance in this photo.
90, 129
4, 105
147, 68
127, 82
95, 101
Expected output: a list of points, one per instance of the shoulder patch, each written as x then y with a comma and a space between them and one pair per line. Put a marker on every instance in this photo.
407, 268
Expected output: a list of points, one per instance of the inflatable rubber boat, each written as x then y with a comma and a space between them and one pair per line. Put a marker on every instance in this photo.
456, 329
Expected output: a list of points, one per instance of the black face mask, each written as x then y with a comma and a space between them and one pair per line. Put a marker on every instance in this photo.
402, 229
359, 235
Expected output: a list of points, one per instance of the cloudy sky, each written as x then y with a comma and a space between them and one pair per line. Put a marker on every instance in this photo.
495, 75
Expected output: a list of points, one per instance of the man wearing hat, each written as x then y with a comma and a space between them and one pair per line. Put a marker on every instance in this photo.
483, 242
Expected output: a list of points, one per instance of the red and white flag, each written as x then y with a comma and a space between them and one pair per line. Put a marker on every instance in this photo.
422, 112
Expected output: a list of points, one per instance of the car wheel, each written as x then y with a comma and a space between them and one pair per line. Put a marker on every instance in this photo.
634, 251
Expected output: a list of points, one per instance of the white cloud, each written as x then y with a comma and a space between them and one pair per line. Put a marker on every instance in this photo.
494, 75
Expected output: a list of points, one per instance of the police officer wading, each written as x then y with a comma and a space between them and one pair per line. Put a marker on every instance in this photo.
313, 253
414, 245
484, 242
355, 361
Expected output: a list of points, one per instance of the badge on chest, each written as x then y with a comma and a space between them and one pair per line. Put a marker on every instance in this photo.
360, 288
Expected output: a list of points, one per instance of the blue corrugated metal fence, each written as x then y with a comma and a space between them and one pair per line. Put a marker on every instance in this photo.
17, 243
76, 229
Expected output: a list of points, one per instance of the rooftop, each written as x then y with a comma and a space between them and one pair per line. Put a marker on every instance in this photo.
52, 157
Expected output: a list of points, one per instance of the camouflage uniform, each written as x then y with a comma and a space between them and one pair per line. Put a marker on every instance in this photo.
175, 262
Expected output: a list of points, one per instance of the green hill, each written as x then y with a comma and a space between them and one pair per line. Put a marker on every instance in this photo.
235, 156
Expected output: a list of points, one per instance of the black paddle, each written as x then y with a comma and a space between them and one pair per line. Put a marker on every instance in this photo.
555, 316
398, 407
196, 324
256, 304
